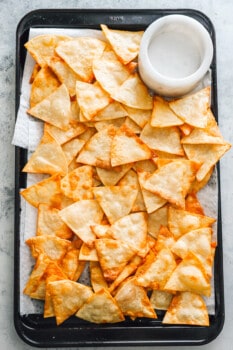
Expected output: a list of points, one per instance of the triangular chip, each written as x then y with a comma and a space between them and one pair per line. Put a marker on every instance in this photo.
172, 181
113, 256
206, 154
162, 139
67, 297
156, 270
97, 150
133, 93
101, 307
199, 243
193, 205
133, 300
91, 98
48, 158
156, 219
124, 43
63, 136
43, 85
55, 109
50, 223
202, 136
162, 115
109, 71
139, 116
88, 253
131, 229
160, 299
182, 221
64, 73
187, 308
80, 216
46, 191
97, 278
189, 276
72, 148
193, 109
165, 239
77, 184
109, 177
79, 54
42, 47
53, 247
113, 110
127, 147
116, 201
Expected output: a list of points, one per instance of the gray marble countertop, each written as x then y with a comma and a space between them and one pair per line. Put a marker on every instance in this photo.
220, 12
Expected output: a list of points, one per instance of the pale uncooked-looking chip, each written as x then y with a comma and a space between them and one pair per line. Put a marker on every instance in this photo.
187, 308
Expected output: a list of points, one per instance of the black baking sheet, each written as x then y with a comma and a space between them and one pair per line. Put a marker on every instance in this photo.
40, 332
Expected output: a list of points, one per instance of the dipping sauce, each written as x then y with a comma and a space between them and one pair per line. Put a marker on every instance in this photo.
174, 55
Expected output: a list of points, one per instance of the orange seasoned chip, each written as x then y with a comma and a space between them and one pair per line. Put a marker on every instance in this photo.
43, 85
113, 256
133, 300
88, 253
50, 223
97, 278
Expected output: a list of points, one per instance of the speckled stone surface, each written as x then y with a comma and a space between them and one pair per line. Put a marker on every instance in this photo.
220, 12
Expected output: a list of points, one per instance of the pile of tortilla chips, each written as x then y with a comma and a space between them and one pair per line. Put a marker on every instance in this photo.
120, 197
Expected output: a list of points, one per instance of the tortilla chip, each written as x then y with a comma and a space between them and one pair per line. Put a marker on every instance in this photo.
139, 116
42, 47
187, 308
162, 139
165, 239
133, 300
131, 229
55, 109
193, 205
67, 297
114, 110
161, 182
207, 154
156, 219
109, 177
189, 276
88, 253
35, 70
193, 109
53, 247
116, 201
162, 115
109, 71
133, 93
79, 53
101, 307
46, 191
77, 184
48, 158
127, 147
63, 136
156, 270
160, 299
65, 74
91, 92
113, 256
182, 221
43, 85
124, 43
97, 150
50, 223
202, 136
97, 278
72, 148
80, 216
